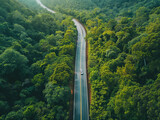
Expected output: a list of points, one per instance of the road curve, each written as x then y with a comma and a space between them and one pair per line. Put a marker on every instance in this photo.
81, 107
43, 6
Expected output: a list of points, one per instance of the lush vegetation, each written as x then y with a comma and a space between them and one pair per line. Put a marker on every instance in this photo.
124, 63
37, 59
70, 5
103, 9
124, 66
36, 63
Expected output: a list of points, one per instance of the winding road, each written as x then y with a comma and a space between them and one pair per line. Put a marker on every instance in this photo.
81, 107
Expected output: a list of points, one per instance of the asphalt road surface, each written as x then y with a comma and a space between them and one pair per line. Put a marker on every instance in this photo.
80, 108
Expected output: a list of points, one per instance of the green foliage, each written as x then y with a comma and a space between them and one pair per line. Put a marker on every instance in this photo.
124, 61
56, 95
44, 23
12, 62
37, 58
13, 116
112, 52
70, 4
3, 106
29, 113
38, 80
62, 74
67, 49
36, 48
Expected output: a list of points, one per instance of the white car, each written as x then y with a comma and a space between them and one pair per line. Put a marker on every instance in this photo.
81, 72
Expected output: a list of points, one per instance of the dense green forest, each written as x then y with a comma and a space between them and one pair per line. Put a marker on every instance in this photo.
70, 4
32, 4
36, 63
37, 52
124, 66
103, 9
124, 62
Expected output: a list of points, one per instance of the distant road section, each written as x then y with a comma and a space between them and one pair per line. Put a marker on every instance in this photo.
39, 2
81, 107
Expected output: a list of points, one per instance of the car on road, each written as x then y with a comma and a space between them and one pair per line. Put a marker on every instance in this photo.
81, 72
